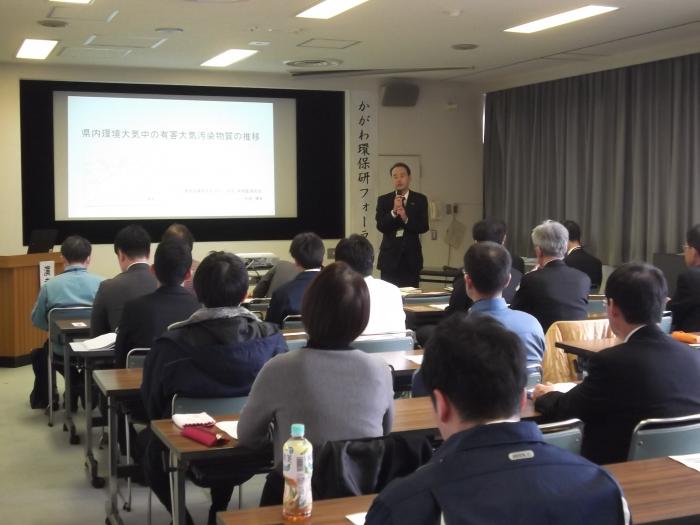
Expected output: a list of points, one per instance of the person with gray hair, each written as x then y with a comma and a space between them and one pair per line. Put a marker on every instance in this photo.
554, 291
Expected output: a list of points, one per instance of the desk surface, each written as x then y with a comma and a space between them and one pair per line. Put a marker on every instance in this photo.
409, 415
587, 347
72, 326
422, 309
656, 489
120, 380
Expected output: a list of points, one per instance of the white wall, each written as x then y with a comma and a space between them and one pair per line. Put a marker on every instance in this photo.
444, 128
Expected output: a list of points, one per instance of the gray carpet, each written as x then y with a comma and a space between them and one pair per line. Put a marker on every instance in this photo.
42, 477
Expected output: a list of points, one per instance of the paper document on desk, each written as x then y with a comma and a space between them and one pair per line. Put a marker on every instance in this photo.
417, 359
563, 387
357, 519
441, 306
230, 427
689, 460
102, 342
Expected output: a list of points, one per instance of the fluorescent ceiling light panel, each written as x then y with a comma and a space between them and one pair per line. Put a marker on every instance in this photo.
229, 57
329, 8
72, 1
36, 49
561, 19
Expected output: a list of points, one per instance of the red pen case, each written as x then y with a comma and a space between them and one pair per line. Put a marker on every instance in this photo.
206, 436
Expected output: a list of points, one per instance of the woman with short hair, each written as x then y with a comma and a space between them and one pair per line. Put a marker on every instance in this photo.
337, 392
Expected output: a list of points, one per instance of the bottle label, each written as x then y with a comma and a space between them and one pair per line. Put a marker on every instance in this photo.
298, 468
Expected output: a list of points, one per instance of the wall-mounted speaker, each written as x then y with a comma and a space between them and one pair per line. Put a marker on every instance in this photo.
400, 94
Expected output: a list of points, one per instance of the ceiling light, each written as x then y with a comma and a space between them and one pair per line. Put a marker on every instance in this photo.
329, 8
561, 19
229, 57
72, 1
36, 49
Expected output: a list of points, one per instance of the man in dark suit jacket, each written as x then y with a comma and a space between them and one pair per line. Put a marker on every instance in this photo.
578, 258
401, 216
553, 292
146, 317
685, 304
133, 247
649, 375
307, 250
493, 231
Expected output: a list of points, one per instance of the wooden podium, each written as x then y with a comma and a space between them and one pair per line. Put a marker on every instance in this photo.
19, 287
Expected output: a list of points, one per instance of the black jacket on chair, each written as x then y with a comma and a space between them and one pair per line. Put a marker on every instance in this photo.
553, 293
685, 304
650, 376
286, 300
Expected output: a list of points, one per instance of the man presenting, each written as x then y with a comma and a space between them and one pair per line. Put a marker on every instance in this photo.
401, 216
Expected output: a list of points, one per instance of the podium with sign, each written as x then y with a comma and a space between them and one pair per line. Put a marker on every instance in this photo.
20, 280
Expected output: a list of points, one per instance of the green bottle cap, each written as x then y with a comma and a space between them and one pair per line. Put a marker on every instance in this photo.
297, 430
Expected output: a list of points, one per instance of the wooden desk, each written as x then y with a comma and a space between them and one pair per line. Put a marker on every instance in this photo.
657, 490
116, 385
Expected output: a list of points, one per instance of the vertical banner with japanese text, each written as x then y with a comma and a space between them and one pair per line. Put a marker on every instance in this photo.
362, 200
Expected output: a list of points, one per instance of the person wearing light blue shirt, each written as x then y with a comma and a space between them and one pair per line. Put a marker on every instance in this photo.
486, 273
74, 287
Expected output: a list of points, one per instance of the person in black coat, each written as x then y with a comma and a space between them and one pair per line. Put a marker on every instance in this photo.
132, 245
307, 250
553, 292
486, 230
685, 304
649, 375
402, 216
146, 317
578, 258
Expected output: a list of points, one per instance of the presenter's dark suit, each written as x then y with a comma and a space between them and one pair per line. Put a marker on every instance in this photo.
582, 260
685, 304
401, 258
286, 300
649, 376
114, 293
145, 318
553, 293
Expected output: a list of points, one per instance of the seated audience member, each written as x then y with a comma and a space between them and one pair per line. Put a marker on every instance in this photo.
649, 375
492, 468
337, 392
146, 317
685, 304
181, 232
578, 258
553, 292
75, 286
487, 270
386, 306
133, 247
307, 250
281, 273
493, 231
217, 352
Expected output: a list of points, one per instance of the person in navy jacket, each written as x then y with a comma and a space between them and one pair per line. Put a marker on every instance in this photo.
492, 468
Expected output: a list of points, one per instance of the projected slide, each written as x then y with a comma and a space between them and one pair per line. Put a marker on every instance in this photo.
160, 157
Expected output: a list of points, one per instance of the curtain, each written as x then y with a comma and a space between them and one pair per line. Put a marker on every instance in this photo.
616, 151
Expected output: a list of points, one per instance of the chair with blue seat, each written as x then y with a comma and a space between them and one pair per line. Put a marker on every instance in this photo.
566, 434
293, 321
426, 298
205, 473
673, 436
534, 375
387, 342
57, 342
